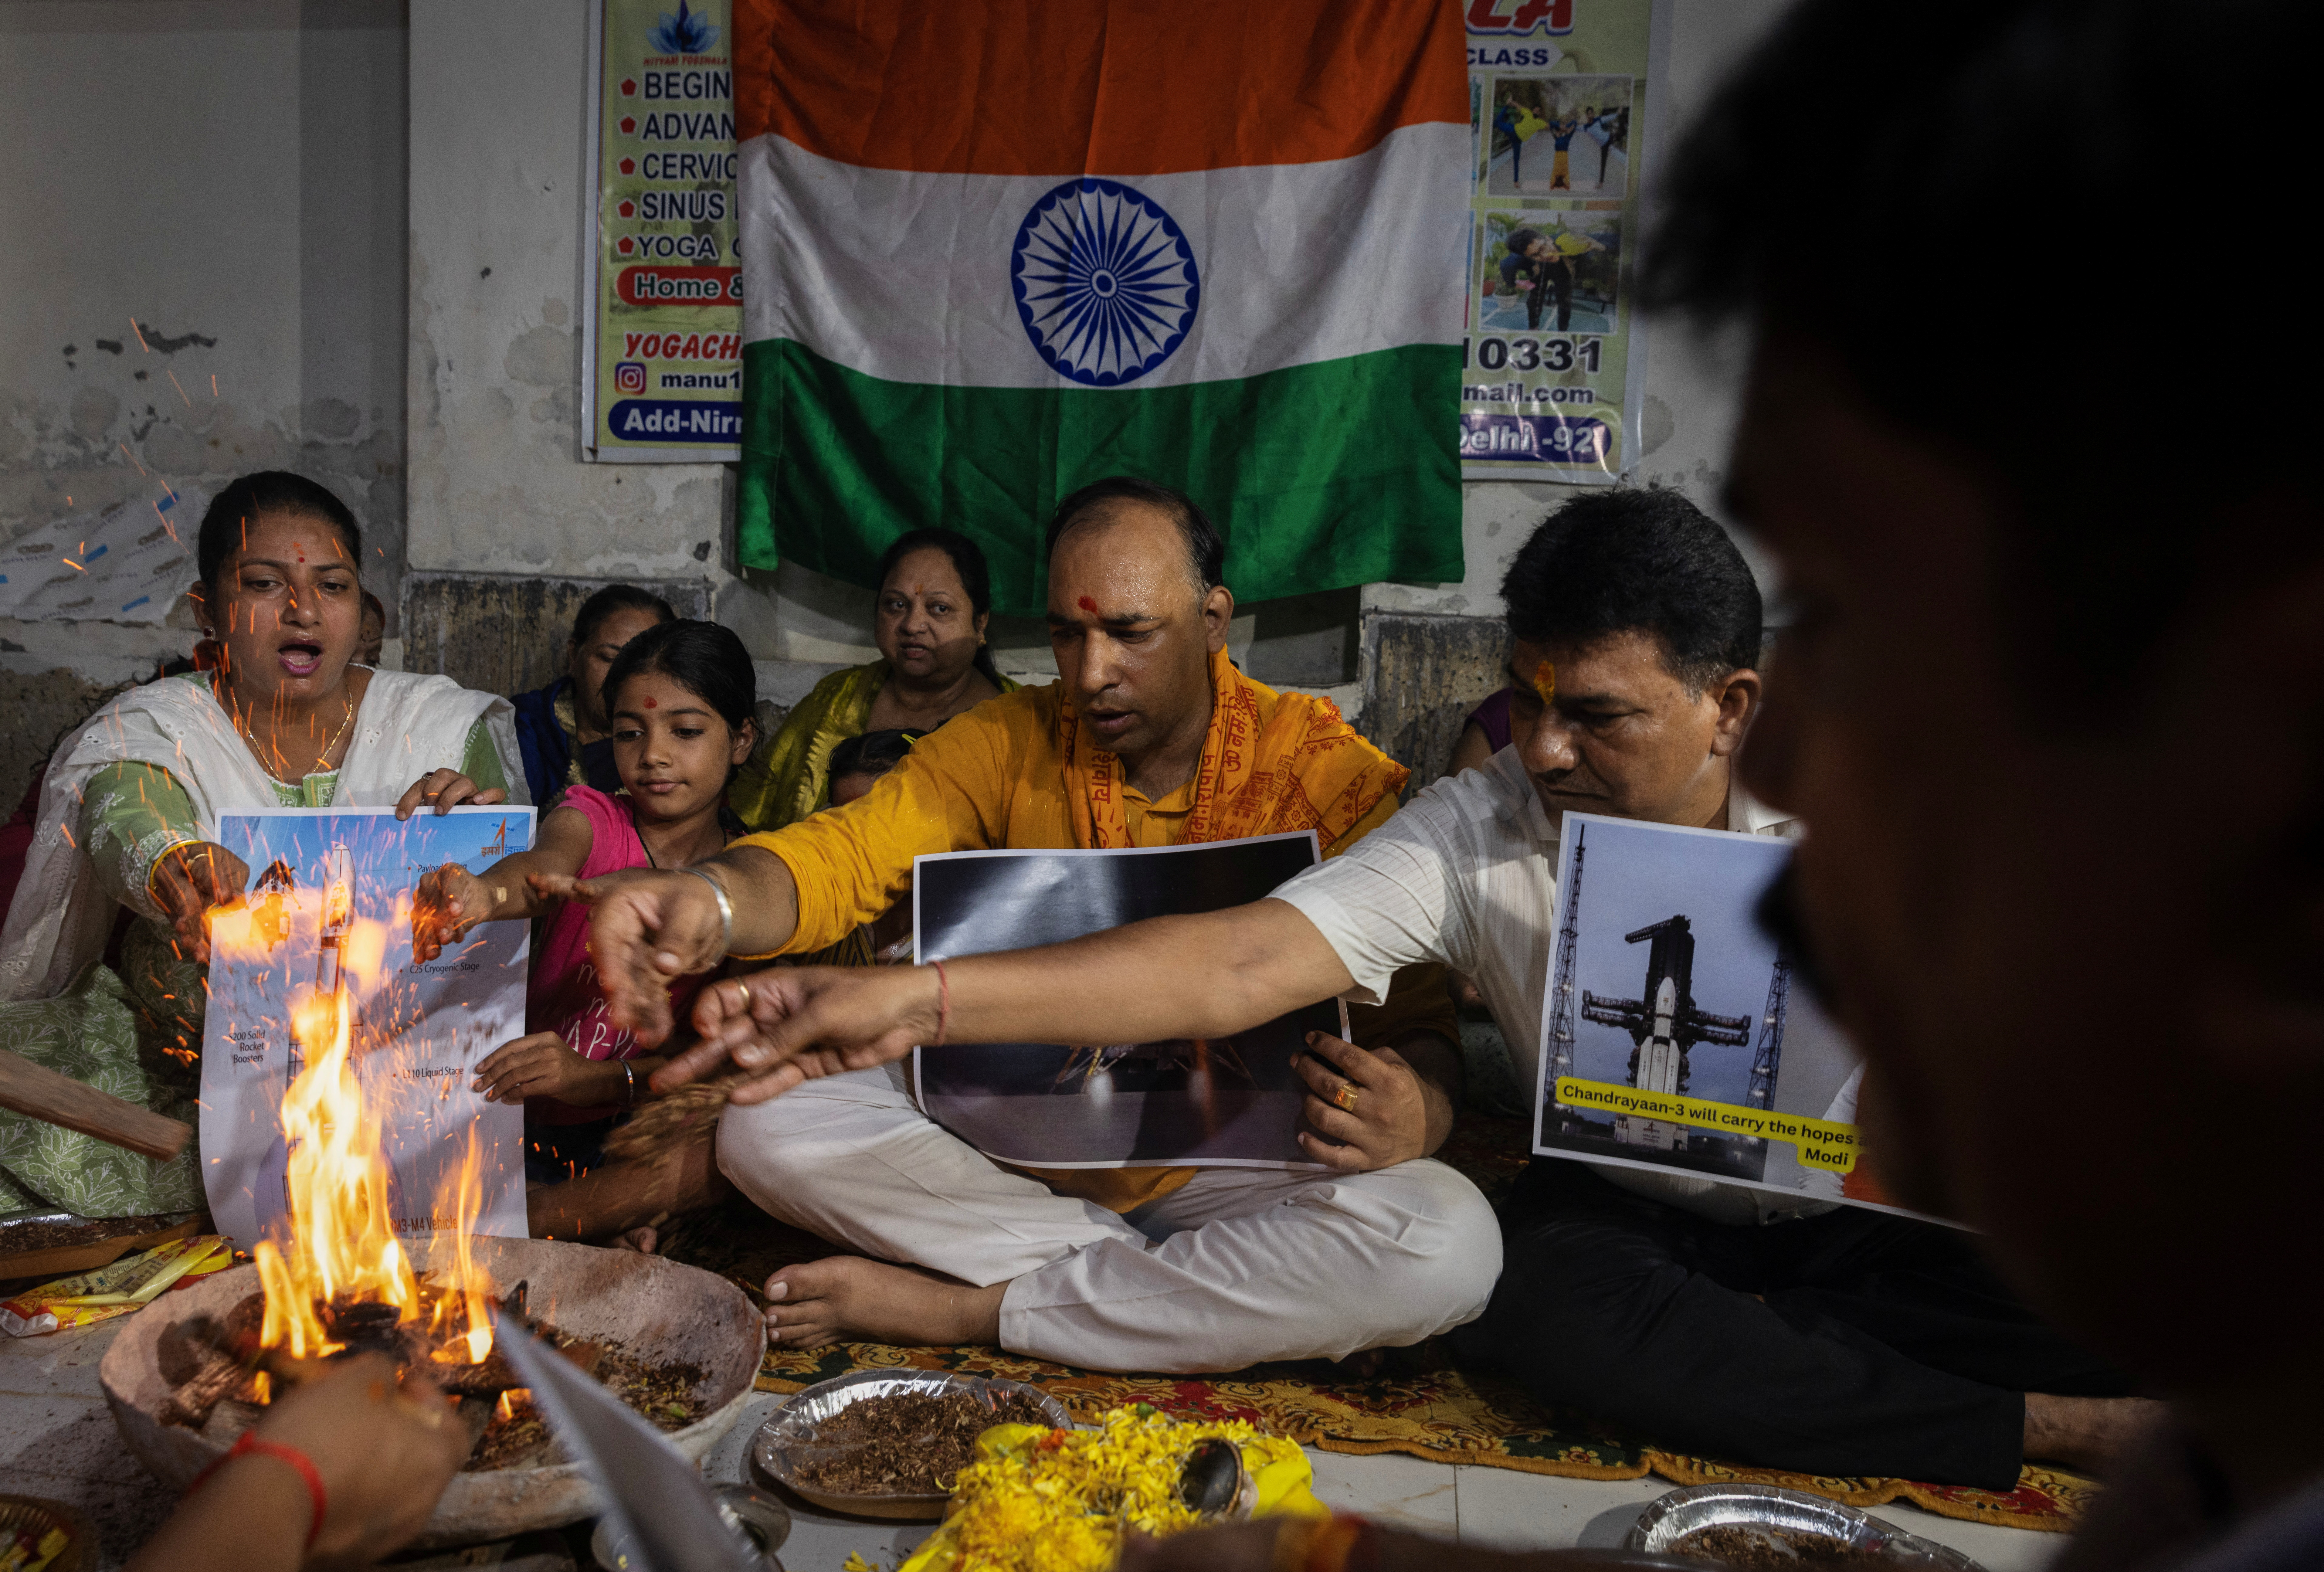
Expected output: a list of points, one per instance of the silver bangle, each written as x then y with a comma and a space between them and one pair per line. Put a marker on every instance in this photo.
725, 909
628, 1085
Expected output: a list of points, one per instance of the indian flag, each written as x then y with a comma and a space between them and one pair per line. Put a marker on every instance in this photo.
994, 250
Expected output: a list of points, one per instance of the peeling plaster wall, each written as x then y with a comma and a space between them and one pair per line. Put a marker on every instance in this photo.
230, 174
498, 172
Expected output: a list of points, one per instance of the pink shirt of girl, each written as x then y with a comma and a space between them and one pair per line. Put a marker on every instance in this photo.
564, 995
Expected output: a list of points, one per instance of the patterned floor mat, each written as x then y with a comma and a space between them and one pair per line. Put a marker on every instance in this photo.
1415, 1402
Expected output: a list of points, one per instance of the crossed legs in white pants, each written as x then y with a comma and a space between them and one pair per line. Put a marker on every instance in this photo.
1237, 1266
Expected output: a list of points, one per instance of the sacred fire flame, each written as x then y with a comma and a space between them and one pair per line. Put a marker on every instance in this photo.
469, 1283
342, 1246
342, 1243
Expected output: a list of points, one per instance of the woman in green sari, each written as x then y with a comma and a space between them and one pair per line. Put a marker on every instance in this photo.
129, 822
935, 600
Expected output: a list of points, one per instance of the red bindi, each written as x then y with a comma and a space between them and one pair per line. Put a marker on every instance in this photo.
1087, 605
650, 703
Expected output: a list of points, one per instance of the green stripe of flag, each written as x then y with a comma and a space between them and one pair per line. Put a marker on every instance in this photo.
1324, 476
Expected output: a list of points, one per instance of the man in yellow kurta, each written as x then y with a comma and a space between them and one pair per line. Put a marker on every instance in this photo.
1149, 737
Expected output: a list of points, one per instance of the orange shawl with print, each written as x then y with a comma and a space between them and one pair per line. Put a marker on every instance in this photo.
1300, 767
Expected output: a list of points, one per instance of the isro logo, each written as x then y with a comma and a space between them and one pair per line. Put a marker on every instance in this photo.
629, 376
1500, 17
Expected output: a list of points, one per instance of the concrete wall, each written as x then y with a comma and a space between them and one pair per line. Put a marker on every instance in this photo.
498, 173
230, 174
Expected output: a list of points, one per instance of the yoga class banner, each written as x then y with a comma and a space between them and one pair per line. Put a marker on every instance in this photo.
661, 352
1675, 1035
328, 917
1229, 1102
995, 249
1564, 99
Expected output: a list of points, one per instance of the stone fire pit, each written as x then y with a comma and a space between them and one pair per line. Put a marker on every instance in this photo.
654, 1309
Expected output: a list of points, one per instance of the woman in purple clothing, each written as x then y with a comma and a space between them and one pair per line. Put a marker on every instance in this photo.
1485, 733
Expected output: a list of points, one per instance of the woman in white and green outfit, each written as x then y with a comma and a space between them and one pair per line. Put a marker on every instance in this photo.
129, 819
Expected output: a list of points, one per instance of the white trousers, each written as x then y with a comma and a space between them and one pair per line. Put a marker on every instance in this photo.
1237, 1266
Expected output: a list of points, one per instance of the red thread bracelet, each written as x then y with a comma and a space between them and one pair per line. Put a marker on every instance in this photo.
251, 1443
944, 1003
1345, 1543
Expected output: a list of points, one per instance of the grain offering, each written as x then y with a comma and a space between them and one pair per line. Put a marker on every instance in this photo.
1763, 1550
907, 1443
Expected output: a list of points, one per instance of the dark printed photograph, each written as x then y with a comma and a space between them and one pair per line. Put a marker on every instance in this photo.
1189, 1102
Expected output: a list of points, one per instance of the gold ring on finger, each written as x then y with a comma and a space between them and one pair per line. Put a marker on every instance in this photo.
744, 989
1346, 1096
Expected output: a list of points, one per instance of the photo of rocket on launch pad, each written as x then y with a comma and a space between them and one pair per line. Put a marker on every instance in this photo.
1670, 1020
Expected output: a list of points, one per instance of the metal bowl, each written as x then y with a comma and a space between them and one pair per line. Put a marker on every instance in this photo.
761, 1522
31, 1515
1669, 1521
789, 1441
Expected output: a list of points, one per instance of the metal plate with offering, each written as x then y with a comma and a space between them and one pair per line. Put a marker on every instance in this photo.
1041, 1500
45, 1536
895, 1463
1752, 1527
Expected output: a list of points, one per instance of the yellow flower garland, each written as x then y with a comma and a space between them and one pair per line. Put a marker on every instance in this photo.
1037, 1500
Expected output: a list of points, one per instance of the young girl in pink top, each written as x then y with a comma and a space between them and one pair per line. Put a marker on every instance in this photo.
681, 696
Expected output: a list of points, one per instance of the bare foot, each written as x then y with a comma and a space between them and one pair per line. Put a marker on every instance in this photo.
846, 1297
641, 1240
2087, 1433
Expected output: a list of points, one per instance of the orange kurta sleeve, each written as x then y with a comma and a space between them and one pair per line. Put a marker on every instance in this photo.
952, 794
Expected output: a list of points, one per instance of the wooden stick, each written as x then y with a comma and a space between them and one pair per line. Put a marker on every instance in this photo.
29, 1088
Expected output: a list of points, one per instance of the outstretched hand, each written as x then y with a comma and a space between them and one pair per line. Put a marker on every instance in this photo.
648, 928
447, 903
190, 880
794, 1024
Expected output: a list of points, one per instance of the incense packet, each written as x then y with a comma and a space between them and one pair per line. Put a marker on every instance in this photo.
113, 1290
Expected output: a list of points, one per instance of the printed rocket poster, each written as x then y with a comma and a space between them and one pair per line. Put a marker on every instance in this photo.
1675, 1033
329, 907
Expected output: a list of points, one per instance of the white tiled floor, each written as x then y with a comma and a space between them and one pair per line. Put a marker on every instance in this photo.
57, 1439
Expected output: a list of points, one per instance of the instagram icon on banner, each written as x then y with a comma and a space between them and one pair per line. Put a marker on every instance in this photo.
629, 376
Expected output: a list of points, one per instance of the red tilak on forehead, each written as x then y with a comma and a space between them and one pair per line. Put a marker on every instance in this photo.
1087, 605
650, 703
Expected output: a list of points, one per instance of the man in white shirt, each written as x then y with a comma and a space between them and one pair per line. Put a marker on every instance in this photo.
1777, 1330
1742, 1323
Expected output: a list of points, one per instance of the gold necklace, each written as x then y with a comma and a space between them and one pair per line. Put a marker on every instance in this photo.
250, 740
